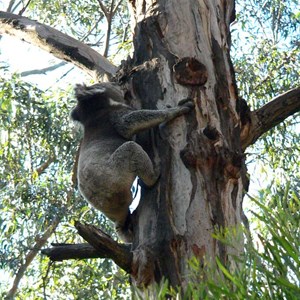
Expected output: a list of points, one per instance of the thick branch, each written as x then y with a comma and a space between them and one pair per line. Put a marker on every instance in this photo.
270, 115
61, 252
106, 246
59, 44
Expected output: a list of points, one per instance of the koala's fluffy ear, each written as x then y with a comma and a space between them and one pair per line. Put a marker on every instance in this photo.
75, 115
83, 93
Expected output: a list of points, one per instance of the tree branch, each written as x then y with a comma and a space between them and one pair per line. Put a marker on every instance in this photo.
116, 7
270, 115
100, 245
59, 44
39, 170
43, 71
106, 247
103, 8
109, 15
61, 252
10, 5
24, 8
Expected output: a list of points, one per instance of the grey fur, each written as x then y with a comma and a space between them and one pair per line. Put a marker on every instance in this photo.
109, 160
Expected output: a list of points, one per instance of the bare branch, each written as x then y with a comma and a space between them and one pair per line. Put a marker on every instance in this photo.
103, 8
270, 115
109, 17
40, 242
107, 36
106, 246
92, 28
10, 5
43, 71
61, 252
59, 44
24, 8
116, 7
44, 166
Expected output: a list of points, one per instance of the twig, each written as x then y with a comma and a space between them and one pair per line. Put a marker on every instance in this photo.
24, 8
44, 166
44, 70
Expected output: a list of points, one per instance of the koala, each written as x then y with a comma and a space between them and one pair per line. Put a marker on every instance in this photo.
109, 160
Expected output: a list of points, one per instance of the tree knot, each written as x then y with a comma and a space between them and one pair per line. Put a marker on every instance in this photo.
190, 71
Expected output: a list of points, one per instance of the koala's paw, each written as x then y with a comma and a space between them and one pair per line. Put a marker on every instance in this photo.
187, 103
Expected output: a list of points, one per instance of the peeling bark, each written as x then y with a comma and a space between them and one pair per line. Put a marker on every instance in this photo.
200, 155
59, 44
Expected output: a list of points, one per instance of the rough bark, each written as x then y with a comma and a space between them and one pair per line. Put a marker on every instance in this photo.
182, 51
59, 44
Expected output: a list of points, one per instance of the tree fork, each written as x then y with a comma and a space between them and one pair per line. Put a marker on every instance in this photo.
100, 245
106, 246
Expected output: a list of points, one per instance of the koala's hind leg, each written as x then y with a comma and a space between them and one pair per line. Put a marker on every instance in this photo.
136, 162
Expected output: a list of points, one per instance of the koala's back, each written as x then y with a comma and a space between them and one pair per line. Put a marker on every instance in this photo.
103, 181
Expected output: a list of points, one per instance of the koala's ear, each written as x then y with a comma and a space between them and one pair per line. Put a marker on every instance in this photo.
83, 93
75, 115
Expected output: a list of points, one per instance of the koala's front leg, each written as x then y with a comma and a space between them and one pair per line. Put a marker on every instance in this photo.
134, 121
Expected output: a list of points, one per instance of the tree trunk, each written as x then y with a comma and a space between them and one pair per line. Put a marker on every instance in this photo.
181, 51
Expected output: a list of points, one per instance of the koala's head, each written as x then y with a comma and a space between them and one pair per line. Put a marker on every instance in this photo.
92, 99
